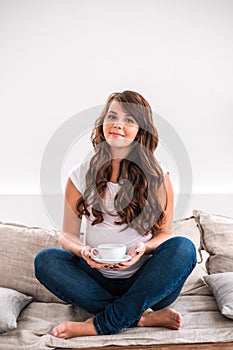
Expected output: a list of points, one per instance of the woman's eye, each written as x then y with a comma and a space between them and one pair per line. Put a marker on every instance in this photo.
111, 117
129, 121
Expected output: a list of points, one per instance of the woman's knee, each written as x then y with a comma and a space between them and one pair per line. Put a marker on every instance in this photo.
185, 248
181, 248
42, 260
46, 259
43, 256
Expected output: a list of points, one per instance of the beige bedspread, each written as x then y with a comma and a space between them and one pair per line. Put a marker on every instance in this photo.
202, 322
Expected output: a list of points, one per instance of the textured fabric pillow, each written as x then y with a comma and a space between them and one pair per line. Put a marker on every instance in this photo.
217, 240
11, 304
19, 245
195, 285
189, 229
221, 285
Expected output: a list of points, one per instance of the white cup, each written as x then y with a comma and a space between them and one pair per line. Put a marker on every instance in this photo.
110, 251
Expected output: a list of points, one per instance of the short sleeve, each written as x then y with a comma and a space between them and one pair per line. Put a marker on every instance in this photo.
77, 175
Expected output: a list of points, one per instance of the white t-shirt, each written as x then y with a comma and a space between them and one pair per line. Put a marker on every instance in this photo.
107, 231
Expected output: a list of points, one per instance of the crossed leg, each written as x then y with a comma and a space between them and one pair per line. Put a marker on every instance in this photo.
77, 281
168, 318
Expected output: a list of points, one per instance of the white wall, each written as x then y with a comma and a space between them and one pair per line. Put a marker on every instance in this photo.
60, 57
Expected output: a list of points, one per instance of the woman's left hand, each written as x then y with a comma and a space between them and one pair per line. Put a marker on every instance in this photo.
136, 252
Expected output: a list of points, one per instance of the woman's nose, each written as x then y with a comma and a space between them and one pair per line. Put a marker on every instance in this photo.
118, 125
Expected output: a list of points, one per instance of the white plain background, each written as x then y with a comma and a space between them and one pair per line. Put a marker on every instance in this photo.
60, 57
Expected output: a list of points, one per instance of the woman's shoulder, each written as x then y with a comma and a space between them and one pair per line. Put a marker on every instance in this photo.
77, 174
80, 167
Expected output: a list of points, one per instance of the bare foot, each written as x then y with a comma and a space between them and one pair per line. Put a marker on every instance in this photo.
168, 318
68, 330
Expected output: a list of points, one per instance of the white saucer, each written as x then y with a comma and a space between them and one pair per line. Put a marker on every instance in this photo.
98, 259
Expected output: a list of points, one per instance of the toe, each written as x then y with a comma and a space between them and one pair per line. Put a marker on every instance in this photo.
54, 332
178, 320
59, 331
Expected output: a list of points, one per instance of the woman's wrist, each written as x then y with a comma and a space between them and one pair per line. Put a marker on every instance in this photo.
82, 250
148, 249
154, 242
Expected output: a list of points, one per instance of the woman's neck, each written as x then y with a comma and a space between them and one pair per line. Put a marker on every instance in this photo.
117, 155
115, 169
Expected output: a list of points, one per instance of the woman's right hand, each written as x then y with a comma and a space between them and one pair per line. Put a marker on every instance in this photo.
87, 255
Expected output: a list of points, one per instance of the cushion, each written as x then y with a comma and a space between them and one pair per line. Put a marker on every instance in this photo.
11, 304
221, 285
19, 245
195, 285
217, 240
19, 257
189, 229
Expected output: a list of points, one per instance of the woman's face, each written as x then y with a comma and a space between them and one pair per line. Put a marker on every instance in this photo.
119, 128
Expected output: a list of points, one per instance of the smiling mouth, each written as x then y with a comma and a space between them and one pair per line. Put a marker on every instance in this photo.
116, 134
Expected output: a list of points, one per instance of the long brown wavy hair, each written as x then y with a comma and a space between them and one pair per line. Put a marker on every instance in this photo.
141, 199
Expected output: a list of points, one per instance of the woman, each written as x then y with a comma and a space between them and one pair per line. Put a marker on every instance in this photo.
126, 198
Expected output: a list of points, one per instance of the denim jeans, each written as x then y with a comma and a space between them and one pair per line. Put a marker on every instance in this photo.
118, 303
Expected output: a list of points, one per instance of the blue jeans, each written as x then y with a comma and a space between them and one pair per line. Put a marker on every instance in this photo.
118, 303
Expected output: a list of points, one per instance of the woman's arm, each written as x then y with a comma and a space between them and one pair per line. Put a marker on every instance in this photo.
70, 235
166, 227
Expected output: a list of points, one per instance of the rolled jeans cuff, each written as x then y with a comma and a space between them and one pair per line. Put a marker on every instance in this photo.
97, 327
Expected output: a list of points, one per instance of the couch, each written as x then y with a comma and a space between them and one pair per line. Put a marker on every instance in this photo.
28, 311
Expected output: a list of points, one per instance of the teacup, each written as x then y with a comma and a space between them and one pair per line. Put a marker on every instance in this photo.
110, 251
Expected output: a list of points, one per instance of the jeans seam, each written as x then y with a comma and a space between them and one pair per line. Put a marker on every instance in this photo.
183, 277
54, 291
97, 327
178, 282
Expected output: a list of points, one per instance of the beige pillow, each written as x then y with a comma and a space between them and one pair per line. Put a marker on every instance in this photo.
188, 228
195, 284
217, 240
19, 245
